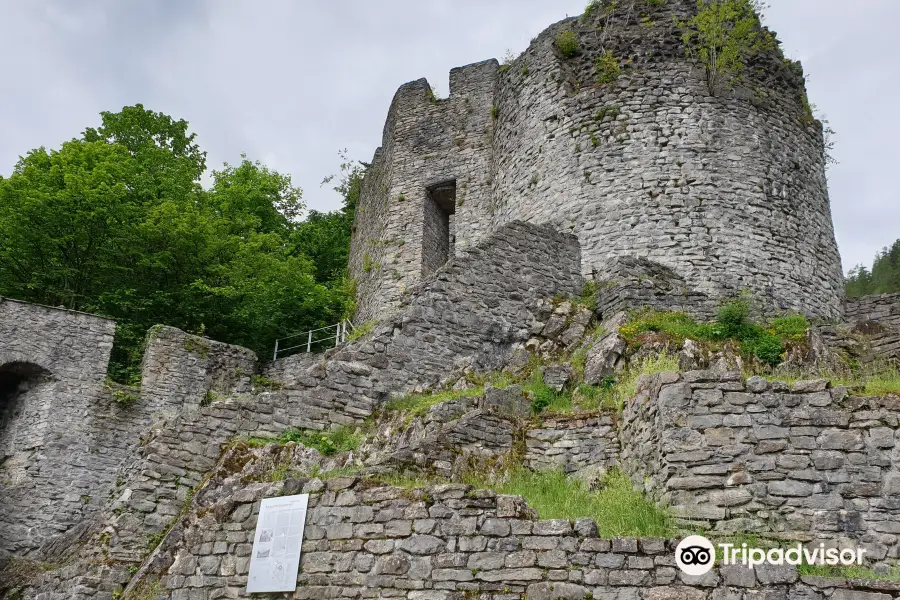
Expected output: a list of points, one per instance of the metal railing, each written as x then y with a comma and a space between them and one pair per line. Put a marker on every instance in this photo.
336, 333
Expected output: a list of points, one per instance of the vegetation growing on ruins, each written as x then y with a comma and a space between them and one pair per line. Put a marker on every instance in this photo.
417, 405
884, 278
765, 342
607, 68
115, 222
342, 439
362, 330
877, 380
617, 509
615, 506
567, 43
724, 35
848, 572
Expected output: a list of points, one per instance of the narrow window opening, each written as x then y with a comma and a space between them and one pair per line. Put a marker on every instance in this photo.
437, 241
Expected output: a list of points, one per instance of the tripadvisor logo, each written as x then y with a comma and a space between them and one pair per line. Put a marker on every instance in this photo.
696, 555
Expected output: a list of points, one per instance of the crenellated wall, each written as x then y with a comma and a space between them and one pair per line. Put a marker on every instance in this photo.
398, 231
727, 191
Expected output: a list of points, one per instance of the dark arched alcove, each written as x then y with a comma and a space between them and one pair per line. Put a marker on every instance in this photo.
17, 375
17, 381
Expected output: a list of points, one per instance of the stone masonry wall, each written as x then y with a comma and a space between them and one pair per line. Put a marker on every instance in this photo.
66, 438
53, 363
475, 308
181, 371
426, 141
805, 461
450, 542
883, 308
728, 191
585, 446
630, 283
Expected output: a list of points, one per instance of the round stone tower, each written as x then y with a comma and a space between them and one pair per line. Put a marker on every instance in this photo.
621, 142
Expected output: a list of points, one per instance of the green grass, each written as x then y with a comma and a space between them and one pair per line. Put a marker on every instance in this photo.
588, 297
544, 398
419, 404
849, 572
790, 328
876, 381
330, 442
766, 342
616, 507
649, 365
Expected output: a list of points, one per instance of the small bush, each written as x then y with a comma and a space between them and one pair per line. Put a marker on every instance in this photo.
732, 317
724, 36
607, 68
342, 439
545, 398
588, 298
791, 328
765, 346
567, 43
362, 330
592, 8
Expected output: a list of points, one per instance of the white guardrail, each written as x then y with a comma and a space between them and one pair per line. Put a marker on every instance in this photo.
336, 333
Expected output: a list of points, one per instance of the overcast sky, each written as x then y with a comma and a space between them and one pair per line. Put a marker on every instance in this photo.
290, 82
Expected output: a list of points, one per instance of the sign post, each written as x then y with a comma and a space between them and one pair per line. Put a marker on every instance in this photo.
276, 544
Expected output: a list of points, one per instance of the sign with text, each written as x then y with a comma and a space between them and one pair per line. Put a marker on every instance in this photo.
276, 545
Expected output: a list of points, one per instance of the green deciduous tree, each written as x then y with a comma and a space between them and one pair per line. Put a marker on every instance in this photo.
116, 223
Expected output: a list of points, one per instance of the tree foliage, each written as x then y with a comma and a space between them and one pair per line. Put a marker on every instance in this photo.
116, 223
884, 278
724, 35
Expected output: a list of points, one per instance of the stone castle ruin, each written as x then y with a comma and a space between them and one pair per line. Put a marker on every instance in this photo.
482, 218
727, 192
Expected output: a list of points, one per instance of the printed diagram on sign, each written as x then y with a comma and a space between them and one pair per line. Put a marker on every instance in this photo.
276, 549
278, 572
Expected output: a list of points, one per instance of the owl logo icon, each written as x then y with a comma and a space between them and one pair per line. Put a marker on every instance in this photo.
695, 555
